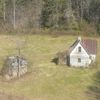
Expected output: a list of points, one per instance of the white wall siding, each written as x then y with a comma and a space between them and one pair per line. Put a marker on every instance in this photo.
83, 56
85, 61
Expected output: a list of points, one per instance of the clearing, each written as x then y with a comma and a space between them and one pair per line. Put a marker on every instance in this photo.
45, 80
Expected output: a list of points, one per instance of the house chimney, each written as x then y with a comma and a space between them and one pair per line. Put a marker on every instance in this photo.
79, 38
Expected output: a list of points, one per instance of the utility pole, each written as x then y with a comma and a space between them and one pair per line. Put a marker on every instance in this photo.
18, 58
20, 44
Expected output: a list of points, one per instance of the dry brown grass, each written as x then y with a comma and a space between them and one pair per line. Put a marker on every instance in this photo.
45, 80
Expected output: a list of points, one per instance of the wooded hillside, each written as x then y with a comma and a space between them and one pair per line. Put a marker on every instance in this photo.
77, 15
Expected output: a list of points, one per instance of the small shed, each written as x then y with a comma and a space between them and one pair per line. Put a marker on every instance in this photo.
81, 53
14, 66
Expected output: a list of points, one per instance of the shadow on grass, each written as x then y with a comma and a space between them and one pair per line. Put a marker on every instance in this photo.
94, 89
55, 60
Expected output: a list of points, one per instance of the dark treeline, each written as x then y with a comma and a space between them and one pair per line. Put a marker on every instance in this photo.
83, 15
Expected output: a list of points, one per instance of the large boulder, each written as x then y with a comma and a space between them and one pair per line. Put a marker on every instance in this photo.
14, 66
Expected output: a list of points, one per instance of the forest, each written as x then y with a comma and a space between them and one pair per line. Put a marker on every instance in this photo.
75, 15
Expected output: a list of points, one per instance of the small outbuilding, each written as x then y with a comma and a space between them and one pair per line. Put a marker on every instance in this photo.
14, 67
81, 53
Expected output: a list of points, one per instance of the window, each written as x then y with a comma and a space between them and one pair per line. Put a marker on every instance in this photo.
79, 60
79, 49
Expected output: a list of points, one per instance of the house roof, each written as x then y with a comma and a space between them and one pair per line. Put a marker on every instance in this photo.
73, 46
89, 45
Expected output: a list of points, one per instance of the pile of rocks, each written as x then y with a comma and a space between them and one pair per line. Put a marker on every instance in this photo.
14, 67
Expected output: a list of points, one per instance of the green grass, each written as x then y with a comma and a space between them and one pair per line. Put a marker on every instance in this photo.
46, 81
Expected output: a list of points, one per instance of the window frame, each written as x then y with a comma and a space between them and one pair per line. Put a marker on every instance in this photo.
79, 49
79, 60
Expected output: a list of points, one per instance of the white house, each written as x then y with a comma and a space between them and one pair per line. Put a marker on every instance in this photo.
82, 52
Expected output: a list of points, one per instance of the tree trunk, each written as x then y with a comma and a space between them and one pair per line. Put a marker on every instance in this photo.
14, 14
4, 11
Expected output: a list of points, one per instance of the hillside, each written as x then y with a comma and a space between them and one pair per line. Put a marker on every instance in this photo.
45, 80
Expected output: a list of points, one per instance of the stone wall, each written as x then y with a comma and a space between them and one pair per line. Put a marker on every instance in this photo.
14, 66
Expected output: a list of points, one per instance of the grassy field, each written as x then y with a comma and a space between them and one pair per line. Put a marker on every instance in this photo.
45, 80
